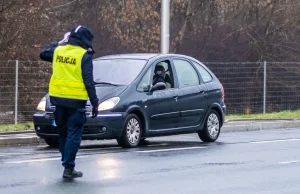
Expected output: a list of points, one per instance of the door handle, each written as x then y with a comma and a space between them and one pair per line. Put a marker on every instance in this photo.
202, 92
176, 98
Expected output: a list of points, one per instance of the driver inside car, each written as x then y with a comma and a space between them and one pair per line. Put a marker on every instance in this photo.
159, 74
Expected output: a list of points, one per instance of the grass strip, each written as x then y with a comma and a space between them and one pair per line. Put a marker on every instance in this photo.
18, 127
274, 115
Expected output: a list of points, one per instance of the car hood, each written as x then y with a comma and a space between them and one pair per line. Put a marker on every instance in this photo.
103, 92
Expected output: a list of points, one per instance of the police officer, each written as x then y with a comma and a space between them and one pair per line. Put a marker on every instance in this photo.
70, 87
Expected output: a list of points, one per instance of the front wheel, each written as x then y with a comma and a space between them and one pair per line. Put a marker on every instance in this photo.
52, 142
211, 130
132, 132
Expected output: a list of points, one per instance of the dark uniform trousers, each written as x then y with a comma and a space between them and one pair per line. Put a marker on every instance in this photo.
70, 123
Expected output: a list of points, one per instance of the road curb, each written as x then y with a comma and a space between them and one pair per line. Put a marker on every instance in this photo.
16, 132
30, 138
11, 141
257, 126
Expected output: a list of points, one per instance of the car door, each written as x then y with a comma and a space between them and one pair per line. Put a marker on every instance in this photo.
161, 106
191, 94
163, 110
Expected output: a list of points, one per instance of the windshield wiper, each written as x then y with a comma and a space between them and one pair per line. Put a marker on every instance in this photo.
107, 83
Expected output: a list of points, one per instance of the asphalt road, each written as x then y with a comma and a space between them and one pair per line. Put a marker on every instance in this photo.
241, 163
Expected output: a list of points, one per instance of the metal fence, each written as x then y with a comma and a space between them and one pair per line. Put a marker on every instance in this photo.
259, 87
249, 87
22, 85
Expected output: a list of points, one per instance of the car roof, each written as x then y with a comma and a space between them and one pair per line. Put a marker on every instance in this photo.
143, 56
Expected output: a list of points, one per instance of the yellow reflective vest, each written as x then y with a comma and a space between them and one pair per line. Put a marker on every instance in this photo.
66, 80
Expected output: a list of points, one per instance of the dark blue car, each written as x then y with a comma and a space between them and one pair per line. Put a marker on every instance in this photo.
146, 95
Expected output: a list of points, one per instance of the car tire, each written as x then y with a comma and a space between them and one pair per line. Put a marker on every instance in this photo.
211, 130
132, 132
52, 142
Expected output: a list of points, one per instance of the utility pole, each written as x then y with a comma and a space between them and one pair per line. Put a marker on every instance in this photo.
165, 26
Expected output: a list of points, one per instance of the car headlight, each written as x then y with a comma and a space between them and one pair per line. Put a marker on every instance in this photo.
42, 105
109, 104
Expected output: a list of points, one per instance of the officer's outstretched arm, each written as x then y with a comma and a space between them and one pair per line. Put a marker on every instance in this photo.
48, 52
88, 78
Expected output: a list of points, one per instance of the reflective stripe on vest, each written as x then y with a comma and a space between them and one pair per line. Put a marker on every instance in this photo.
66, 80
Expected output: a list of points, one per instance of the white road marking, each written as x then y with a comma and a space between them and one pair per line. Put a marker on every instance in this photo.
172, 149
112, 148
39, 160
289, 162
274, 141
14, 154
99, 149
29, 153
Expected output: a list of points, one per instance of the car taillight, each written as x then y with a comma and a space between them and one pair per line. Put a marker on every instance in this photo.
223, 93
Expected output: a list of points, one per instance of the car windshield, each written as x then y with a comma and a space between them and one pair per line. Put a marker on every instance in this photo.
117, 71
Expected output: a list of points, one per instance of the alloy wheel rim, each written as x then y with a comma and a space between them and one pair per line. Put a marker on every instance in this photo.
133, 131
213, 125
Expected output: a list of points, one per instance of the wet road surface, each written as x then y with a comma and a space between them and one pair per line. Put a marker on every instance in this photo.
244, 162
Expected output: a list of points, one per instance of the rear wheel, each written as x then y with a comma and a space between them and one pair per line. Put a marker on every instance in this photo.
52, 142
132, 132
211, 130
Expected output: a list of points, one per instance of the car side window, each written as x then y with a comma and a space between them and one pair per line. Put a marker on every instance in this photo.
145, 81
187, 75
203, 72
163, 73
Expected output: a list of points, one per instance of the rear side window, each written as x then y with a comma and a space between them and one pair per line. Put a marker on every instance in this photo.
187, 75
204, 74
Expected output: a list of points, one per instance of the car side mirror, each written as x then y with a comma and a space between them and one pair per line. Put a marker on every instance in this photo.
146, 88
158, 86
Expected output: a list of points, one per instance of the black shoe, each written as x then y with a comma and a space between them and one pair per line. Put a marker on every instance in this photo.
71, 173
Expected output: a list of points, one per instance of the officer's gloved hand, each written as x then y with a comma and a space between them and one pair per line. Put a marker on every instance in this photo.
95, 111
65, 39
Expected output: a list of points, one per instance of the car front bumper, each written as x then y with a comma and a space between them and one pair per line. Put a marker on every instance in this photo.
107, 125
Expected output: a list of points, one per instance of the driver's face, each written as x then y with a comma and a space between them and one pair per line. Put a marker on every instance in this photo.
158, 72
